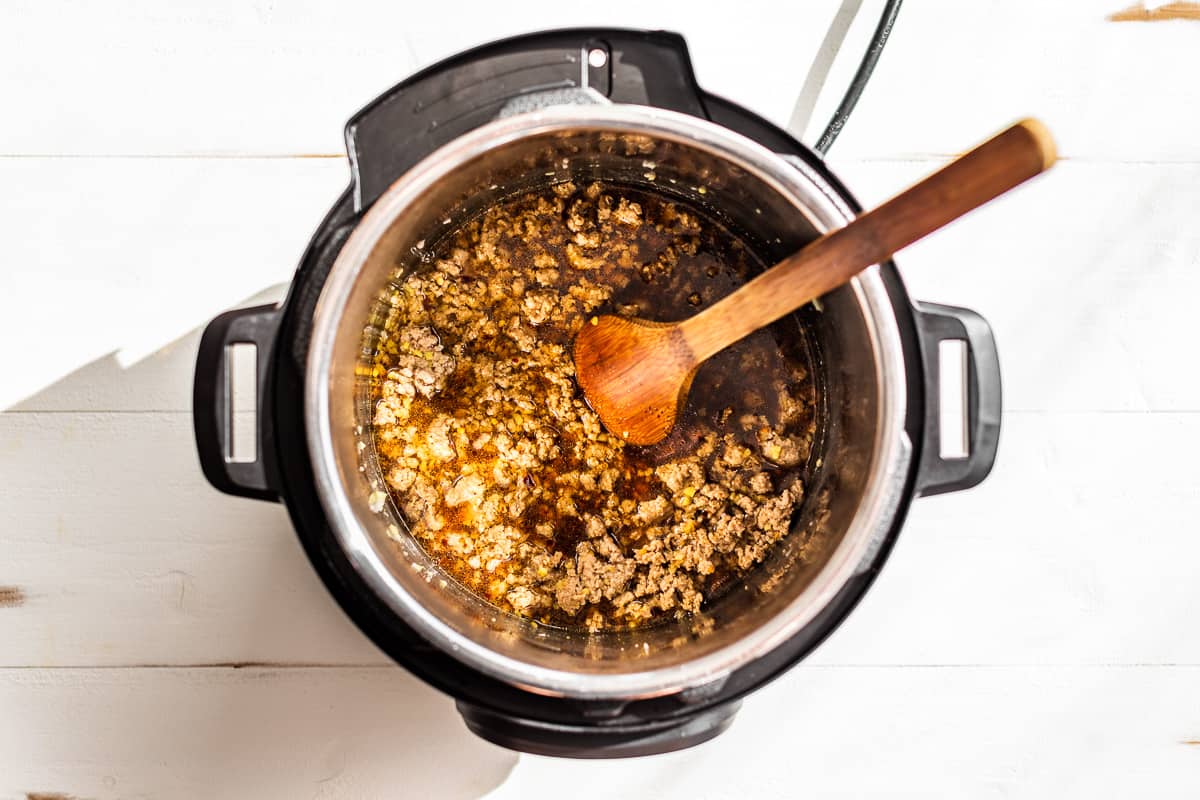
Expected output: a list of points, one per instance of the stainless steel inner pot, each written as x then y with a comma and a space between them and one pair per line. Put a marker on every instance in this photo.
774, 202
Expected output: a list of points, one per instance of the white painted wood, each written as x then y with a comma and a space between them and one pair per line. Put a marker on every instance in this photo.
915, 732
262, 77
953, 71
237, 733
920, 733
278, 78
1087, 274
126, 555
1084, 531
107, 261
1030, 638
1075, 550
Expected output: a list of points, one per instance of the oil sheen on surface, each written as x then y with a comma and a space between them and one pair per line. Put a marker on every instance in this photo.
505, 475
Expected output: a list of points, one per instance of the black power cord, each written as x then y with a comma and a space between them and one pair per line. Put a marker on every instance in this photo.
870, 58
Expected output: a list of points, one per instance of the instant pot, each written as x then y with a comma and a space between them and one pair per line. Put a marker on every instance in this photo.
443, 145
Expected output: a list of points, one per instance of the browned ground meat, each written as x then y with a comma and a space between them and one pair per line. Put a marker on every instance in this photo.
504, 473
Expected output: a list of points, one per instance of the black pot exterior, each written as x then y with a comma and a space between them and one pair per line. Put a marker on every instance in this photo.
387, 138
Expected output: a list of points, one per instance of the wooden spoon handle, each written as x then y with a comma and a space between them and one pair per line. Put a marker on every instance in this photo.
1004, 161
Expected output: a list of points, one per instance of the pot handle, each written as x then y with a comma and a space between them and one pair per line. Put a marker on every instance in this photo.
213, 403
938, 324
444, 101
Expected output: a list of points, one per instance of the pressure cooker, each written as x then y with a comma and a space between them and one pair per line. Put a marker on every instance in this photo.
447, 143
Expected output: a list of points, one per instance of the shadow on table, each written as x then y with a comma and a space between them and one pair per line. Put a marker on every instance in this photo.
344, 732
235, 603
160, 381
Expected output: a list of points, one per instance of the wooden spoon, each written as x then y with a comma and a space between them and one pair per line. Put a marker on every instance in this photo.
636, 373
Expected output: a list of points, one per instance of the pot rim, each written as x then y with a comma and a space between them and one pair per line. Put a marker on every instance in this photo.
892, 450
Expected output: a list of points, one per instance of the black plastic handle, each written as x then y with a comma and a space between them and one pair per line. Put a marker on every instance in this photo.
444, 101
936, 324
607, 739
212, 403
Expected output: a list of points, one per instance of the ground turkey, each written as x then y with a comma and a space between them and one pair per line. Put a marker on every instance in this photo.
500, 468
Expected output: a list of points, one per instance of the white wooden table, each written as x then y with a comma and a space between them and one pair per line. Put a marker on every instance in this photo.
1036, 637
